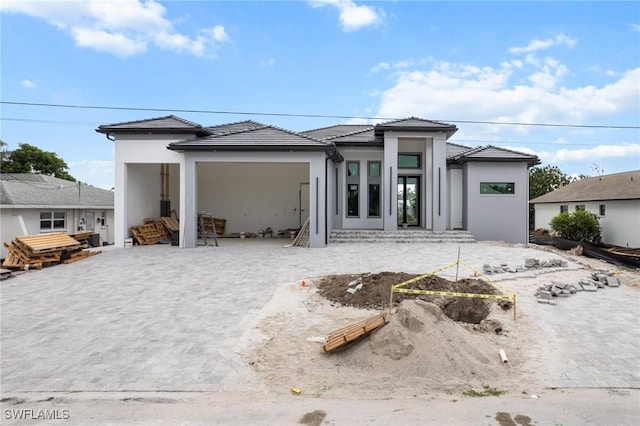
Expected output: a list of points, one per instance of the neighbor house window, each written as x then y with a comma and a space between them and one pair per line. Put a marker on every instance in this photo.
50, 221
497, 188
580, 207
602, 210
353, 184
409, 161
564, 209
373, 183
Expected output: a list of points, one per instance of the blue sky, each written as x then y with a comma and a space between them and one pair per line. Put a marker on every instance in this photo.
564, 63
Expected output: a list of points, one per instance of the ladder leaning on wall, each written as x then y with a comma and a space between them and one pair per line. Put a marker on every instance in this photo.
207, 228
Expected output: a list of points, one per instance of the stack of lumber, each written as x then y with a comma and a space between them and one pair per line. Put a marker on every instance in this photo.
37, 251
154, 231
302, 237
209, 223
353, 332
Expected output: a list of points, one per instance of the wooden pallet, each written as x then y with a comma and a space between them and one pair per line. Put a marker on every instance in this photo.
145, 234
171, 223
37, 251
353, 332
79, 255
47, 243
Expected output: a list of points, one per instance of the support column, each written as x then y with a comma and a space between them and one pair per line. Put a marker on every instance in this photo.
188, 203
390, 182
120, 225
317, 201
439, 179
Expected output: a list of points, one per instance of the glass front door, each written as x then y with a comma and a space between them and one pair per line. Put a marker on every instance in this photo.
408, 201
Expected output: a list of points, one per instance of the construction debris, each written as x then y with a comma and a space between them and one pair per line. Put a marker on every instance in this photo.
600, 279
354, 332
529, 263
36, 251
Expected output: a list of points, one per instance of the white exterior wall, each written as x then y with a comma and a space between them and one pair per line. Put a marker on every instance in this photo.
315, 162
620, 224
135, 154
254, 196
502, 217
17, 222
455, 198
363, 221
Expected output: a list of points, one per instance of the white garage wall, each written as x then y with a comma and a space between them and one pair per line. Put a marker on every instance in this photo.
253, 196
143, 193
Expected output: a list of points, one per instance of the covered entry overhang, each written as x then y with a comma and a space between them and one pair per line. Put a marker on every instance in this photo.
258, 174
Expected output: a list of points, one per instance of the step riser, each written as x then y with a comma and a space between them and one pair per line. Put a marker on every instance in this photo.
358, 236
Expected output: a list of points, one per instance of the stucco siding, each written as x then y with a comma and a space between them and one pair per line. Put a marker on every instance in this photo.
502, 217
254, 196
620, 224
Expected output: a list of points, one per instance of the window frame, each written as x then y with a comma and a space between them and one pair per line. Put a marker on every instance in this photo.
508, 185
417, 155
57, 220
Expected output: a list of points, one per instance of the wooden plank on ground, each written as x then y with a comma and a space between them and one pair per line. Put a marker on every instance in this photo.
354, 332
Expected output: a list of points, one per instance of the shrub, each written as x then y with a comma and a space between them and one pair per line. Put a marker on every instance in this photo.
577, 226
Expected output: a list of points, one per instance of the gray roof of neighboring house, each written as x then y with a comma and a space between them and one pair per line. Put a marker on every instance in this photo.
494, 154
250, 135
166, 124
37, 191
618, 186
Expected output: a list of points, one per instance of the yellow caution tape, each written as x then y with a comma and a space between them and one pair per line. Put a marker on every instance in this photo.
452, 294
419, 277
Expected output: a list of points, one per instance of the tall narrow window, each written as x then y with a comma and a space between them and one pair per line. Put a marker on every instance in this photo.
603, 210
373, 193
353, 184
564, 209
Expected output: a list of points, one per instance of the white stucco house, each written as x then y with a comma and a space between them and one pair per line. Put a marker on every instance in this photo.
614, 199
401, 174
32, 204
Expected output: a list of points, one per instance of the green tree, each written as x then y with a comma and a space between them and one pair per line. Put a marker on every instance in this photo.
546, 179
31, 159
577, 226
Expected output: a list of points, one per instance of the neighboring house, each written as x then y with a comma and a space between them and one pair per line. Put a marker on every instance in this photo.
32, 204
614, 199
389, 176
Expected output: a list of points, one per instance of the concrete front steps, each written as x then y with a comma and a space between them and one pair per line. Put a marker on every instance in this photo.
399, 236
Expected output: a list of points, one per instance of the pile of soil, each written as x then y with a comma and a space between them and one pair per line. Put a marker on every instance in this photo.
420, 342
376, 288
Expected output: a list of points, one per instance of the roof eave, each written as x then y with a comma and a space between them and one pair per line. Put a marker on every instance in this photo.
279, 148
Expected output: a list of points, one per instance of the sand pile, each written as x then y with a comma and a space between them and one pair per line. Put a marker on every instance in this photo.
422, 343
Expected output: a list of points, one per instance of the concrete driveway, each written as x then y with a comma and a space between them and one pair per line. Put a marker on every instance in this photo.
160, 318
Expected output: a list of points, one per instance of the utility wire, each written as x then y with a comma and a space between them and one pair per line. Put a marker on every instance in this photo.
282, 114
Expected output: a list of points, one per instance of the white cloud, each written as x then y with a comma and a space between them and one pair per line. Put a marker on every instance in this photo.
536, 45
352, 16
512, 91
583, 155
119, 27
28, 84
268, 63
99, 173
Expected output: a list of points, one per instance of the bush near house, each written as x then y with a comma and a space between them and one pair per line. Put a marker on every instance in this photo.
577, 226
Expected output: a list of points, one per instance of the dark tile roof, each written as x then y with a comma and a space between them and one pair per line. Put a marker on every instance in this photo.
618, 186
251, 136
495, 154
166, 124
34, 190
416, 124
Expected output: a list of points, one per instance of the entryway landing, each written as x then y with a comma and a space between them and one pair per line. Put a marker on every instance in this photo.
400, 236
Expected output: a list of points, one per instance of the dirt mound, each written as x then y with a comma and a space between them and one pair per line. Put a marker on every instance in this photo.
375, 291
421, 342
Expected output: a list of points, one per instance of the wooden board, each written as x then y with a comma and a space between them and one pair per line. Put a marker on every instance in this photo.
354, 332
171, 223
46, 243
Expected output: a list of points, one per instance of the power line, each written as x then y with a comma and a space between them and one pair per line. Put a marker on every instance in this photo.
282, 114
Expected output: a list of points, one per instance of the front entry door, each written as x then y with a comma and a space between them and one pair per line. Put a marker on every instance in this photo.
408, 200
